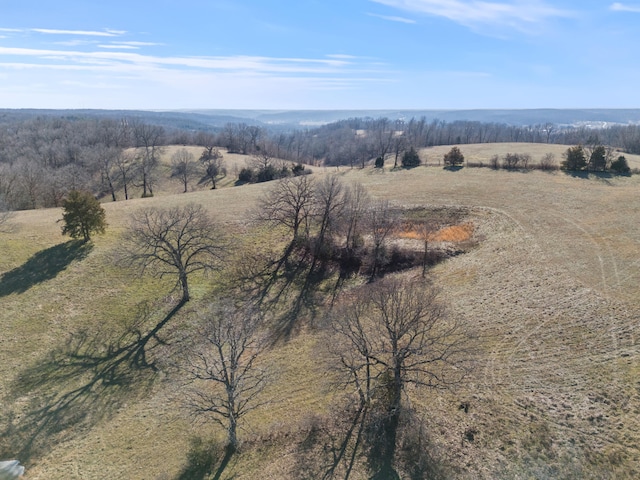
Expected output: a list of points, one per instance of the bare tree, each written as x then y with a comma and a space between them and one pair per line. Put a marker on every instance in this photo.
391, 335
381, 222
106, 159
330, 200
399, 146
148, 141
177, 241
213, 163
383, 137
5, 215
31, 180
184, 168
548, 130
289, 203
125, 164
222, 364
427, 231
262, 162
358, 203
9, 185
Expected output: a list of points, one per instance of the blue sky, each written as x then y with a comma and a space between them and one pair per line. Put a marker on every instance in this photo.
325, 54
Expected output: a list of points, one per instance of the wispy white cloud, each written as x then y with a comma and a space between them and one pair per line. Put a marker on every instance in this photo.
118, 46
244, 63
140, 44
392, 18
620, 7
92, 33
517, 14
76, 42
342, 56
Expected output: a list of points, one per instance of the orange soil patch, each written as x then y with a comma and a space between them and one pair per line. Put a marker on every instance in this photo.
453, 233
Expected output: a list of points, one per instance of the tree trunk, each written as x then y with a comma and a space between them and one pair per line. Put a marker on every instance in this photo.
232, 431
111, 189
185, 287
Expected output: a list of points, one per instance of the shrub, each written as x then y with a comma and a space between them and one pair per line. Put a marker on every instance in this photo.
379, 162
454, 157
620, 166
548, 162
298, 169
246, 175
410, 158
267, 174
511, 161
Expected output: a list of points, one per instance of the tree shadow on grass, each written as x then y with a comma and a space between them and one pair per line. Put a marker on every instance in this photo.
77, 385
43, 266
284, 284
203, 458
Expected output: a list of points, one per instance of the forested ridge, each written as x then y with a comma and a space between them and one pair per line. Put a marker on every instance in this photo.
43, 156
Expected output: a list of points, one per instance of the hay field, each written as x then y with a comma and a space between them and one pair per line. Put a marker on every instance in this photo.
482, 152
551, 292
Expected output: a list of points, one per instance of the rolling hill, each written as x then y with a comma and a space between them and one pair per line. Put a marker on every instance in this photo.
550, 292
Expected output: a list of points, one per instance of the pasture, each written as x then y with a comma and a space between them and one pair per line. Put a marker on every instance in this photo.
550, 292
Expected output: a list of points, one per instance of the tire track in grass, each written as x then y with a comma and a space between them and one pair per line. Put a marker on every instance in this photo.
503, 356
600, 244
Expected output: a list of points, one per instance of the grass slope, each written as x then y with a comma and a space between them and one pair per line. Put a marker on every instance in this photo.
551, 292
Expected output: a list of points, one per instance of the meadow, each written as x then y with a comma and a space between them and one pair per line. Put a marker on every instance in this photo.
549, 289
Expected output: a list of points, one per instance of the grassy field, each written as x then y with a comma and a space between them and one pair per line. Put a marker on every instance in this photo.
550, 291
233, 163
482, 152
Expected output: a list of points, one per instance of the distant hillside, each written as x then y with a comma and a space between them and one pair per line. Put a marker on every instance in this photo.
190, 121
511, 117
196, 120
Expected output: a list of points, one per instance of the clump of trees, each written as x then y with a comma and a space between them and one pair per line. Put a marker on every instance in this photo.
44, 157
263, 167
594, 157
328, 224
82, 215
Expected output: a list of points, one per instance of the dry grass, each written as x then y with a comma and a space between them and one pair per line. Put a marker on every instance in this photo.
551, 292
233, 163
451, 233
482, 152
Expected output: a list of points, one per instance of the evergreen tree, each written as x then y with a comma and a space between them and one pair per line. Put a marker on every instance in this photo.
598, 159
82, 216
454, 157
410, 158
620, 165
574, 159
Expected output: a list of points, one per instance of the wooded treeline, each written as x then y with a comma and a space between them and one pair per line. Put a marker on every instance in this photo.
44, 157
